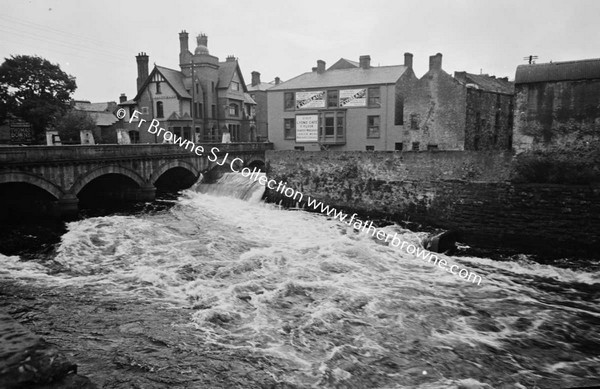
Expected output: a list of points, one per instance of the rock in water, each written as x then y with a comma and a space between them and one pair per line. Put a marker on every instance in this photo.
27, 361
441, 243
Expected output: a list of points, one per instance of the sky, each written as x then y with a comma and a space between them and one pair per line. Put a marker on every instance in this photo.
97, 41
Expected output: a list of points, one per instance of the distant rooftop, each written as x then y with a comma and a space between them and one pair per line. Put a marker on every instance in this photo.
344, 77
586, 69
486, 82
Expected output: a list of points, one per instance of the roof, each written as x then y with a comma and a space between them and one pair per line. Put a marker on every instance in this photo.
344, 77
262, 86
95, 107
344, 63
586, 69
103, 118
226, 71
248, 99
175, 79
128, 102
487, 83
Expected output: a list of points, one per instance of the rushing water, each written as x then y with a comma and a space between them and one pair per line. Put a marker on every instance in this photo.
337, 307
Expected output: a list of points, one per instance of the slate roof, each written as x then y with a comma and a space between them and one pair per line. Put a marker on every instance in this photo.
248, 99
262, 86
175, 79
586, 69
344, 77
103, 118
490, 83
95, 107
344, 63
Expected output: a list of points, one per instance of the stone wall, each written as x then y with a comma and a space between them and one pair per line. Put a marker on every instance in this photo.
472, 192
489, 122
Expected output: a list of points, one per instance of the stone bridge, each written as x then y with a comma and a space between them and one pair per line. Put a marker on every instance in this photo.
126, 172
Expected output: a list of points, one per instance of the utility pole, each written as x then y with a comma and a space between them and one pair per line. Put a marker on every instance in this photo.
531, 59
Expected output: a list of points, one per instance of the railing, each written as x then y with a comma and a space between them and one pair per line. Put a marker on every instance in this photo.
12, 155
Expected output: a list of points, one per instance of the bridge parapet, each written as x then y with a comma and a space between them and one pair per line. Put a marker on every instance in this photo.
27, 155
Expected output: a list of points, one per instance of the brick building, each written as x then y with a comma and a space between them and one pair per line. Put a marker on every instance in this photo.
557, 104
350, 106
465, 112
258, 93
202, 101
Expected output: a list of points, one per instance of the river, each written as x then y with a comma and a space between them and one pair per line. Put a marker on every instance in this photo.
303, 301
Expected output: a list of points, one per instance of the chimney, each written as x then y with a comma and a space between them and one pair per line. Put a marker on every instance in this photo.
277, 80
408, 60
435, 62
255, 78
231, 58
142, 64
320, 66
183, 42
122, 98
202, 40
461, 77
314, 69
365, 61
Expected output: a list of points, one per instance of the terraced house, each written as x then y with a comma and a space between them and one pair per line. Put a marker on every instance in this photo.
350, 106
205, 101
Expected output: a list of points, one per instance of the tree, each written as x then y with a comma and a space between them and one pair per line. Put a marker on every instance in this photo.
71, 124
35, 90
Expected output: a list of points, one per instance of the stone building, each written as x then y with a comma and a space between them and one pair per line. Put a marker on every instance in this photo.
465, 112
205, 101
346, 107
258, 93
557, 104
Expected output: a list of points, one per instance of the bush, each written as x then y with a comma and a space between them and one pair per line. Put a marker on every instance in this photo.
71, 124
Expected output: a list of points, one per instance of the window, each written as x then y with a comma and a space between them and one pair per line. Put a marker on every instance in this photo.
414, 121
235, 86
415, 146
299, 148
158, 88
432, 147
213, 111
159, 110
370, 148
212, 87
374, 97
332, 127
134, 136
289, 102
145, 110
399, 114
289, 129
398, 146
373, 127
332, 99
198, 110
234, 109
197, 89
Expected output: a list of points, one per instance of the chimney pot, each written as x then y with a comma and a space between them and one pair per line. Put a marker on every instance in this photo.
408, 60
122, 98
365, 61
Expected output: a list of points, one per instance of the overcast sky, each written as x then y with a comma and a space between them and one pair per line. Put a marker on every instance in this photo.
97, 41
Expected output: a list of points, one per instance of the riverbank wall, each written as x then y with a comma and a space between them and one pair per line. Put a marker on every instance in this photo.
547, 204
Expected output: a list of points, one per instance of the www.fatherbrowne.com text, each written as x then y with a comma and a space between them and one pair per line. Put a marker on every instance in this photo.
298, 197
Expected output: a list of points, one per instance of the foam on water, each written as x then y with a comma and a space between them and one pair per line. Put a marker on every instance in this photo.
336, 304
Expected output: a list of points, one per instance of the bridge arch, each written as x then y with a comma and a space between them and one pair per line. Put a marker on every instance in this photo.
17, 176
111, 169
256, 162
170, 165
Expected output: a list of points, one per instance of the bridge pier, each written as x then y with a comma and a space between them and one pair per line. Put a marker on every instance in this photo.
147, 193
68, 206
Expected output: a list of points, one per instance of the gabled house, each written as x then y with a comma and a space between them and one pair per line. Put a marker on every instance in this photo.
258, 93
205, 101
